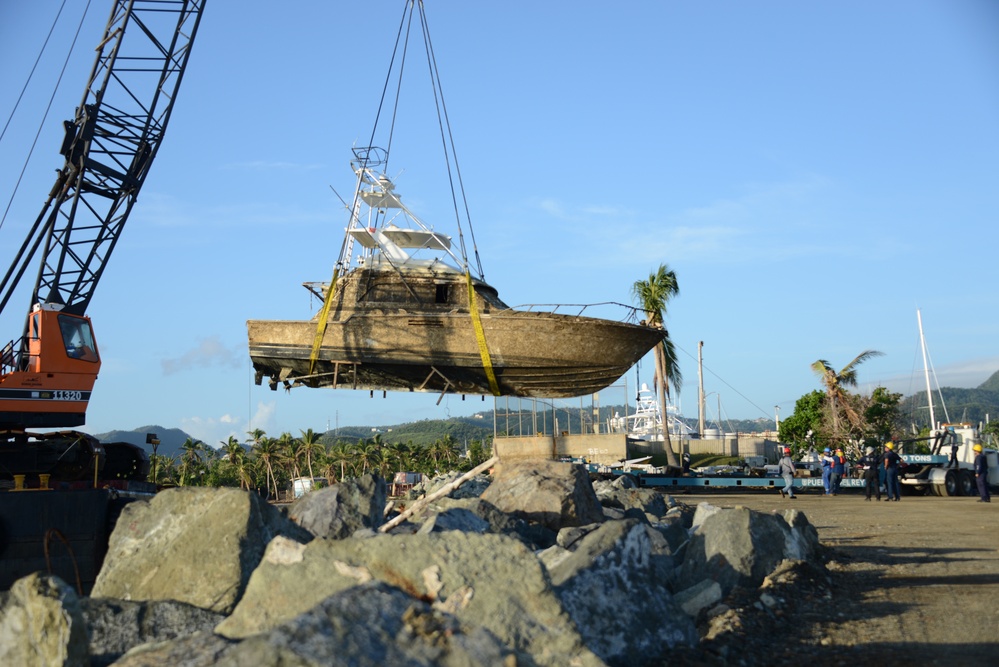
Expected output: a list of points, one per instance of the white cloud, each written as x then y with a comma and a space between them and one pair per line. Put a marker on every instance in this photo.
209, 352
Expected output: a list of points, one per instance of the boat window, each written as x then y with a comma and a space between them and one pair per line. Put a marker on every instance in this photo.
442, 294
491, 297
386, 293
78, 338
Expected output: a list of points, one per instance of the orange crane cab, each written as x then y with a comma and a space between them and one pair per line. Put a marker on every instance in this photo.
51, 385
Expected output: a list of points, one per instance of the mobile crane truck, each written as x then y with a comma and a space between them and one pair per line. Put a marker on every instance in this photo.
60, 490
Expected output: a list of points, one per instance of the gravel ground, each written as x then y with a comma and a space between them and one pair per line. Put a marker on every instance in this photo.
909, 583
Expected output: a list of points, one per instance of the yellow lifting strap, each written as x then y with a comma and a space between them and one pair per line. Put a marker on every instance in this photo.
323, 318
480, 336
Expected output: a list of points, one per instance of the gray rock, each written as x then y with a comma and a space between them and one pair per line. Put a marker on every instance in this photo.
672, 528
549, 493
702, 512
471, 488
741, 547
625, 482
572, 534
338, 511
533, 535
191, 544
613, 513
803, 540
486, 580
455, 518
371, 625
198, 650
623, 497
613, 588
115, 626
41, 623
702, 595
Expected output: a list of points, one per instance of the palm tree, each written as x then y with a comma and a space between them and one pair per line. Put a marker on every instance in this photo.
653, 295
235, 454
339, 454
397, 457
290, 450
368, 455
836, 383
190, 458
265, 450
311, 447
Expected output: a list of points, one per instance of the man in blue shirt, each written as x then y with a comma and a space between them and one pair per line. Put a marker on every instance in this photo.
892, 460
982, 475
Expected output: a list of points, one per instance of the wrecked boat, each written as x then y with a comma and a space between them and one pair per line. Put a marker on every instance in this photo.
396, 321
403, 311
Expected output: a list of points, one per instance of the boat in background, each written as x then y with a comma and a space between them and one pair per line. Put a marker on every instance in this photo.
646, 423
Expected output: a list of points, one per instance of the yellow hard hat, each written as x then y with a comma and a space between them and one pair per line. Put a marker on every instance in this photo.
890, 445
977, 448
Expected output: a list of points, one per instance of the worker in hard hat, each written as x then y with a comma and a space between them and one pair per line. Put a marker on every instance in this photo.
785, 468
827, 462
892, 461
838, 470
982, 474
870, 462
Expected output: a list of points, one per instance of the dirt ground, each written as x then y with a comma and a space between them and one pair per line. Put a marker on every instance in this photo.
914, 582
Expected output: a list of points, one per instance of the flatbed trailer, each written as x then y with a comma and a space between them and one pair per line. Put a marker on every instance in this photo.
921, 473
654, 480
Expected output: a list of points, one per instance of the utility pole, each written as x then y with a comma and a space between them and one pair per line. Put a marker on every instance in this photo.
700, 389
777, 418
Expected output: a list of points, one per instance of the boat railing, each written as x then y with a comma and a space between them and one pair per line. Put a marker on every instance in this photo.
632, 314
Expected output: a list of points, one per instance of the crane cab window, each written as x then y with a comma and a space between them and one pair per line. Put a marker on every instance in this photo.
78, 338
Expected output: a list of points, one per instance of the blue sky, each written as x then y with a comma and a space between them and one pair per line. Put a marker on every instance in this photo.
813, 172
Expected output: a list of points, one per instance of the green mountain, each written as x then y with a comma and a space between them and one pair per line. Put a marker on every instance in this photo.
962, 405
992, 384
170, 438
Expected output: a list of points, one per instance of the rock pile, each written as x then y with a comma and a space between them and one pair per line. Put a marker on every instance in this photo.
539, 567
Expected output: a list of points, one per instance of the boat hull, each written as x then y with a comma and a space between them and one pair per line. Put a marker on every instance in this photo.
533, 354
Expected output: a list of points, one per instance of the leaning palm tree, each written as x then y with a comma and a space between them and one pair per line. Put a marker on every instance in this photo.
653, 295
235, 454
311, 449
265, 450
836, 383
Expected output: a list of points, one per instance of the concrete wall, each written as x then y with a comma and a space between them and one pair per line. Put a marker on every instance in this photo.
599, 448
741, 447
615, 447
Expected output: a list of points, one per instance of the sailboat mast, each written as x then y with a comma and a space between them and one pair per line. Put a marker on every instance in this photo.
926, 370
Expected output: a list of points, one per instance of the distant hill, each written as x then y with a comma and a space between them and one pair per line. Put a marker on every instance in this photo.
170, 439
963, 405
992, 384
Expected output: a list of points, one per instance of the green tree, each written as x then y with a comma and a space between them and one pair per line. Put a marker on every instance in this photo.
368, 455
881, 414
265, 451
191, 460
235, 455
653, 295
339, 456
291, 454
839, 399
805, 427
990, 432
312, 449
